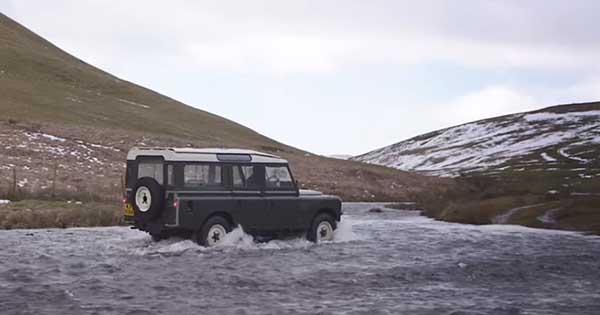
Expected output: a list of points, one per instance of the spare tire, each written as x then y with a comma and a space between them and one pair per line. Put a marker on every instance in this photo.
147, 198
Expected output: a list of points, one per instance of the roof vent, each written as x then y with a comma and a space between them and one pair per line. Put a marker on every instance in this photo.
234, 157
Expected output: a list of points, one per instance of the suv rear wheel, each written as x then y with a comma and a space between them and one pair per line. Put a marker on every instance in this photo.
322, 228
213, 231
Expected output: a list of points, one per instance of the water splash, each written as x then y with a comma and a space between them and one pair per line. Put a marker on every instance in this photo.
344, 232
141, 243
237, 239
170, 247
240, 240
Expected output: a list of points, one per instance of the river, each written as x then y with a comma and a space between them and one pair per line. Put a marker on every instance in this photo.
393, 262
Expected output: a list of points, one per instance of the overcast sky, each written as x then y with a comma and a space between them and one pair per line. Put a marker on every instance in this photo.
337, 76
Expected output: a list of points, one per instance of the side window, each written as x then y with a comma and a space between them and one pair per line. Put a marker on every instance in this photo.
202, 175
151, 169
239, 180
170, 178
278, 177
247, 176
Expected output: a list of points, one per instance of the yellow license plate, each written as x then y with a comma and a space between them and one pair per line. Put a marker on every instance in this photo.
128, 210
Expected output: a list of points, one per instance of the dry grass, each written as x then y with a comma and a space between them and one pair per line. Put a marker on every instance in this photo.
482, 211
582, 214
480, 199
61, 214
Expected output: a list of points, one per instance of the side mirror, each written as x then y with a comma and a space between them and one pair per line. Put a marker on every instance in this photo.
297, 183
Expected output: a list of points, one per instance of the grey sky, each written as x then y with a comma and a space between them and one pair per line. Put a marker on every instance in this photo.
337, 76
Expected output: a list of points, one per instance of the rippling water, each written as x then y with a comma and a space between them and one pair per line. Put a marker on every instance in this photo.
394, 262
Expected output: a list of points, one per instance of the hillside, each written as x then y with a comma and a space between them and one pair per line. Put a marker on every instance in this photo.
540, 168
555, 136
66, 126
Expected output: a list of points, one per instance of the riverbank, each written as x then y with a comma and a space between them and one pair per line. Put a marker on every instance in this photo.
576, 213
32, 214
572, 213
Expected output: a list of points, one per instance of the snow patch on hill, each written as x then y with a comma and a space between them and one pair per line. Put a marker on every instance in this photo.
563, 117
133, 103
340, 156
547, 157
488, 143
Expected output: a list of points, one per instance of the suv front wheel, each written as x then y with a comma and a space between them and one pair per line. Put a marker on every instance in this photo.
321, 229
213, 231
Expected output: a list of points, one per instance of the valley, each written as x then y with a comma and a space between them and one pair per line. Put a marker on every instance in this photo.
66, 126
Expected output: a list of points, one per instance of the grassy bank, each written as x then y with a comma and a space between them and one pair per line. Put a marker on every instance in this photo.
520, 198
577, 213
59, 214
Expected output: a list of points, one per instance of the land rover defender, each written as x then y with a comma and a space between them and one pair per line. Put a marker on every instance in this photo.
205, 193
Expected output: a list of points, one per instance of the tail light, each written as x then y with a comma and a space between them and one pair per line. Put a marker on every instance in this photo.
126, 197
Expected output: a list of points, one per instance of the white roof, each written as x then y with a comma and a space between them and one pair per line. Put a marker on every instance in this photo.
201, 154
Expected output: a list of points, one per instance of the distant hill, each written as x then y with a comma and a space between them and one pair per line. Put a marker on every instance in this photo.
565, 136
65, 127
539, 168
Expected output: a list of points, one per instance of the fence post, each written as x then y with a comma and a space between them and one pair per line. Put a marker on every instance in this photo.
14, 183
122, 186
54, 180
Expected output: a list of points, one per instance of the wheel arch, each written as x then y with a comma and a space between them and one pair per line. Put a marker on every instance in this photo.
329, 211
311, 232
226, 215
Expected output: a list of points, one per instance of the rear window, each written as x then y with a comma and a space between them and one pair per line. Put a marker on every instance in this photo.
202, 175
151, 169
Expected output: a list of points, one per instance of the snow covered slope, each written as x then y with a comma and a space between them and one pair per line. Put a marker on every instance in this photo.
566, 135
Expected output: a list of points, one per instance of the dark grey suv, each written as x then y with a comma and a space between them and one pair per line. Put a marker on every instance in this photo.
204, 193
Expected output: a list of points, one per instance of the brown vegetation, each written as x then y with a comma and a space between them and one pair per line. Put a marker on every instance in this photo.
481, 199
58, 214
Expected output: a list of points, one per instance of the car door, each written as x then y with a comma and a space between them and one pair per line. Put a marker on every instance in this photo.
282, 198
203, 192
250, 203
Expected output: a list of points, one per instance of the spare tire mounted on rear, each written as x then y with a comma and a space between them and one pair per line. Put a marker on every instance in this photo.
147, 198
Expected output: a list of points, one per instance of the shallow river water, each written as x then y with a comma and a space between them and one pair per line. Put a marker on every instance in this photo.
395, 262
